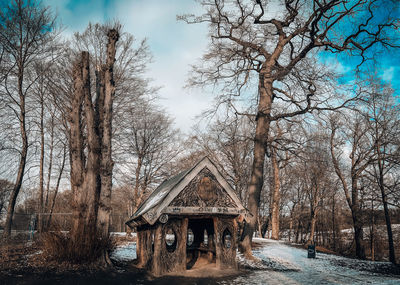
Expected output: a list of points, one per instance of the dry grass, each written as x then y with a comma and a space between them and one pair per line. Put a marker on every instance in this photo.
59, 246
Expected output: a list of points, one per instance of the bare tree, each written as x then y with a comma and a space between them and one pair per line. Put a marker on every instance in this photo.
361, 151
91, 173
24, 35
283, 144
383, 117
227, 143
56, 188
146, 144
250, 45
131, 88
317, 176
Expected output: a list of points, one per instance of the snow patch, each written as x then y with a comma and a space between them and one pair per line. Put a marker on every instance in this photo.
284, 264
124, 253
281, 263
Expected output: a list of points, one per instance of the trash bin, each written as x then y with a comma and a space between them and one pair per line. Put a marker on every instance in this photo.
311, 251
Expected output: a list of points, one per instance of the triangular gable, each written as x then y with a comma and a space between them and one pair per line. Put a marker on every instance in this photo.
160, 201
203, 191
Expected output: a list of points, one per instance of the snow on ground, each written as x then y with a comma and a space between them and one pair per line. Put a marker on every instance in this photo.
395, 227
122, 234
124, 253
284, 264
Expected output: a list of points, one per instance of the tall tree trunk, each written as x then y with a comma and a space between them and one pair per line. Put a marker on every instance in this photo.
56, 189
107, 163
291, 221
92, 208
41, 166
333, 224
372, 232
22, 161
392, 256
352, 200
357, 219
92, 179
257, 175
315, 199
312, 226
276, 196
358, 234
137, 184
82, 230
49, 170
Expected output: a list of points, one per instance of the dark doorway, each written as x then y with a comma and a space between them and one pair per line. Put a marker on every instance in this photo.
200, 249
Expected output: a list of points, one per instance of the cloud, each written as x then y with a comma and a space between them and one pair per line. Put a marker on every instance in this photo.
388, 74
175, 45
75, 15
333, 63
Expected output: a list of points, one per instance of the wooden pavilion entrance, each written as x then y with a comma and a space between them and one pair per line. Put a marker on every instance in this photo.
189, 222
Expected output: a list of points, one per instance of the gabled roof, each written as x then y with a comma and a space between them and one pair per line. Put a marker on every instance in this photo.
157, 203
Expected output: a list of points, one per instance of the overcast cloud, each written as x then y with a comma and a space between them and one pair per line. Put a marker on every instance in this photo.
174, 44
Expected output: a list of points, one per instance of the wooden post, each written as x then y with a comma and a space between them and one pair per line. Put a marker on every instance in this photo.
225, 255
218, 243
156, 264
173, 259
144, 249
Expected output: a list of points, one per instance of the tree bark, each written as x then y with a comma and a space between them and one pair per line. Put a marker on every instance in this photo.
41, 166
56, 189
314, 205
107, 163
392, 256
333, 217
312, 226
85, 182
22, 161
372, 232
137, 184
352, 200
357, 219
257, 175
276, 196
49, 170
92, 181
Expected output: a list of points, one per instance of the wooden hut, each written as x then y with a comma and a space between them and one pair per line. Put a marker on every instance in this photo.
188, 222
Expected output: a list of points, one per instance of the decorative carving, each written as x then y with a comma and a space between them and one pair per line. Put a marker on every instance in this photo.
203, 191
206, 189
163, 218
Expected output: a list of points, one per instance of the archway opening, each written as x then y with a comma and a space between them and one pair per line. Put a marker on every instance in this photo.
201, 250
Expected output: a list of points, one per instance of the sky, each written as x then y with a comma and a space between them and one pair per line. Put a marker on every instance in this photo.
176, 45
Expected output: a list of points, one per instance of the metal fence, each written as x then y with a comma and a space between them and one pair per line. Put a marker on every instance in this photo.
27, 223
